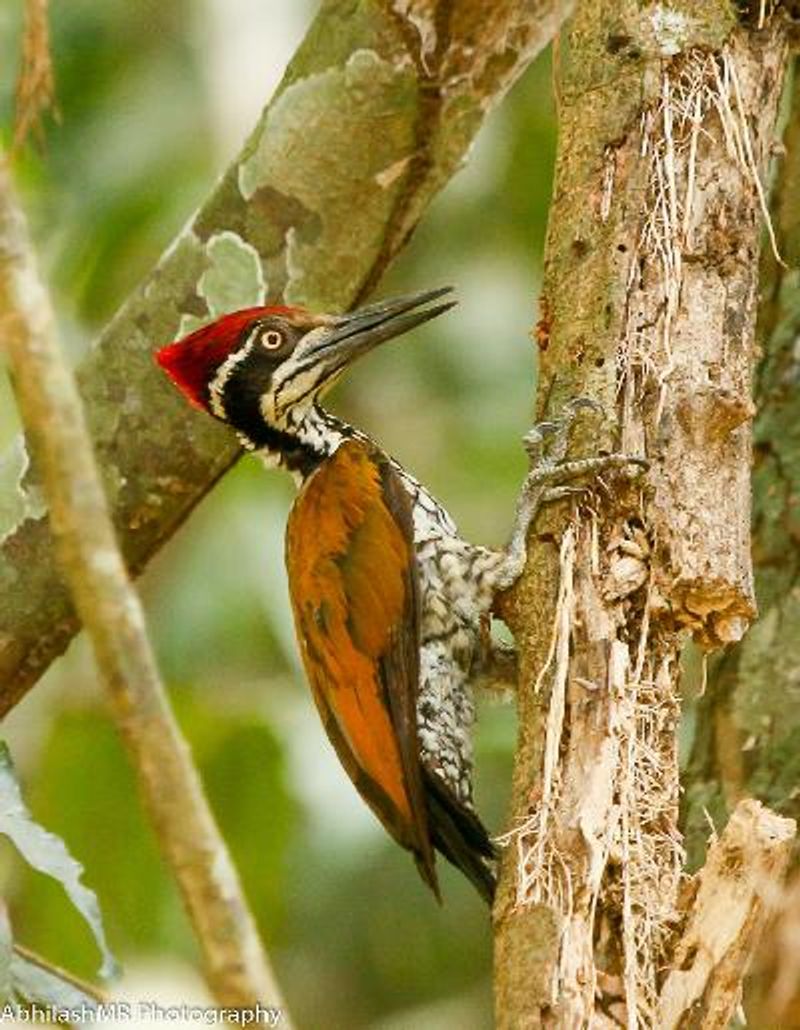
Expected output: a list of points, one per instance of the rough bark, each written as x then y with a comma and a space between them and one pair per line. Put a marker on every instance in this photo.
747, 728
235, 964
747, 736
649, 303
376, 112
35, 92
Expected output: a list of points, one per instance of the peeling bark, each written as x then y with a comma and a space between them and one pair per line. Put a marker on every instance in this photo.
736, 892
747, 738
649, 302
376, 112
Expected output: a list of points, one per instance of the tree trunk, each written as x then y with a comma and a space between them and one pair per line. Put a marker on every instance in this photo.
649, 306
375, 114
746, 739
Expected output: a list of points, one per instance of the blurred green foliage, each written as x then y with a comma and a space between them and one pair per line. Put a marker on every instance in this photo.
356, 938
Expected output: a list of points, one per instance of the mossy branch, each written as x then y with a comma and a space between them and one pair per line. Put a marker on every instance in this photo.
376, 112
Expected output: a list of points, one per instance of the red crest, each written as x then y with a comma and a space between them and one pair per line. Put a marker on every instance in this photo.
192, 362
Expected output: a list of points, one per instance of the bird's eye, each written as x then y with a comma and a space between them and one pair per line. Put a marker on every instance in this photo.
271, 339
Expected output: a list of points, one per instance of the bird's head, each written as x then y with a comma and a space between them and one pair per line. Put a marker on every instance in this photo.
267, 366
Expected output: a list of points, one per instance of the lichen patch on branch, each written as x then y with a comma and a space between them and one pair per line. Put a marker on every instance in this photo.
234, 279
18, 500
368, 91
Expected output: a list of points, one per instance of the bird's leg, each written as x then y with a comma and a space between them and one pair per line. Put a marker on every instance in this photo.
548, 479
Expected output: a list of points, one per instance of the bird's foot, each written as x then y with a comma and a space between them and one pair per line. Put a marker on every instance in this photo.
546, 444
547, 441
550, 474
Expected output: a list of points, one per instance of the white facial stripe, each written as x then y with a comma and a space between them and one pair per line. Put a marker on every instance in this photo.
310, 340
225, 371
300, 385
301, 374
267, 407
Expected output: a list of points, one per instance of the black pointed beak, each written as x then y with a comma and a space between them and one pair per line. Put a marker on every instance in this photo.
356, 333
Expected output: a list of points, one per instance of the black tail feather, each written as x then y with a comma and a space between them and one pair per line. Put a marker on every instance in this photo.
460, 835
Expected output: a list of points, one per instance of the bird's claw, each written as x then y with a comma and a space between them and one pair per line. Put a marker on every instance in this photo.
572, 407
546, 444
534, 440
553, 477
556, 431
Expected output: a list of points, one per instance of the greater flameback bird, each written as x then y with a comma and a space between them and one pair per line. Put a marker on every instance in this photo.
390, 603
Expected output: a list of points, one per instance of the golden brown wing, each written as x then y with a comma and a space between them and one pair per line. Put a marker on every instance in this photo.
353, 585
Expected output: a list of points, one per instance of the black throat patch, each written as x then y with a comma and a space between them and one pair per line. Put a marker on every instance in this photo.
241, 399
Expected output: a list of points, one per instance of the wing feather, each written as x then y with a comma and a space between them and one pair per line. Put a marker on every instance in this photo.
353, 585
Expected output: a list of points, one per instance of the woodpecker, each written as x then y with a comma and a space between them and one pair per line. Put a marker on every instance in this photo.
390, 603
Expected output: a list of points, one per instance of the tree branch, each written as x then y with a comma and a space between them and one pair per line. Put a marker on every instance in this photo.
235, 965
376, 112
649, 303
35, 93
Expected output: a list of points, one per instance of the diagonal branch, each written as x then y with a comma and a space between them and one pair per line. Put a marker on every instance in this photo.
376, 112
235, 964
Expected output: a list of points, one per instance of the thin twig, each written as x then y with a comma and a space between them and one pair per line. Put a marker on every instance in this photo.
35, 94
236, 967
90, 990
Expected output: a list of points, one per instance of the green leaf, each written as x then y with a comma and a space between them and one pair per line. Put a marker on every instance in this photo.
48, 853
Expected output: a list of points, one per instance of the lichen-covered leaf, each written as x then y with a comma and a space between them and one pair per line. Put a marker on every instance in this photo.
48, 853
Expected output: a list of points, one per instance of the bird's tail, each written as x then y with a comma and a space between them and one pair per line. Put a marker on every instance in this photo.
459, 835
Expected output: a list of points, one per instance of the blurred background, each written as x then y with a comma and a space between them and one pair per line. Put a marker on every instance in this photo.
155, 99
